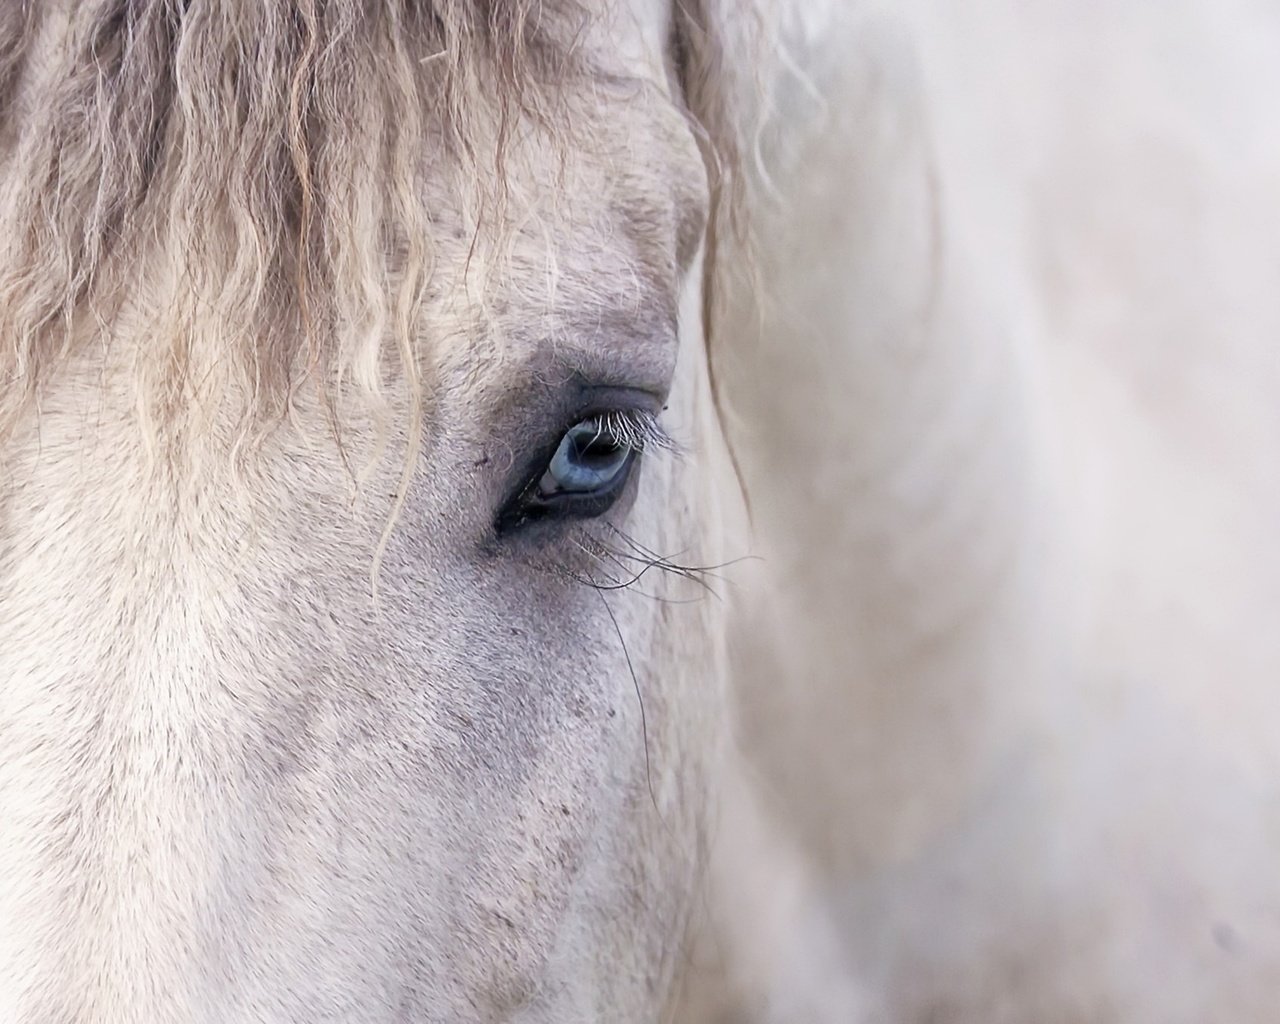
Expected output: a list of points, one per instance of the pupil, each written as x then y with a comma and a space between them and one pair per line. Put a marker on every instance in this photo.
596, 446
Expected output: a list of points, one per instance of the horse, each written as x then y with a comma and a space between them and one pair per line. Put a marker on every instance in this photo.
649, 511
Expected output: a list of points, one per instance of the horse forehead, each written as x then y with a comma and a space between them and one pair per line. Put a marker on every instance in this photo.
602, 240
641, 174
637, 31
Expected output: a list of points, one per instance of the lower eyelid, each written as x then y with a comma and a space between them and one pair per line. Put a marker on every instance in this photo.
530, 510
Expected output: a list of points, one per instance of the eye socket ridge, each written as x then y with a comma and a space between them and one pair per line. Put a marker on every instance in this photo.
587, 470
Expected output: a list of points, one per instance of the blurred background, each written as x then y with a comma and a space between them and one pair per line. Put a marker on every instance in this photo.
1012, 654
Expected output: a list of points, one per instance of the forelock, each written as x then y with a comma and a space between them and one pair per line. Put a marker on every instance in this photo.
245, 170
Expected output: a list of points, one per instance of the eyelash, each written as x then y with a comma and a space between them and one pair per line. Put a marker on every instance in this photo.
639, 429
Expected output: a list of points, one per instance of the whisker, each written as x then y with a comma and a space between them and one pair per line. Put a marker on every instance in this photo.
644, 720
629, 583
695, 573
645, 552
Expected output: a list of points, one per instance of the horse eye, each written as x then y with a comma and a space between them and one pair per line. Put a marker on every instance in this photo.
589, 459
583, 478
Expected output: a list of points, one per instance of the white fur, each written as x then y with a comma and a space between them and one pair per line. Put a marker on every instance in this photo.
1009, 428
1001, 681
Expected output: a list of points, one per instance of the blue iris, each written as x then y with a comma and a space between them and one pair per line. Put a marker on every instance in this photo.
590, 459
